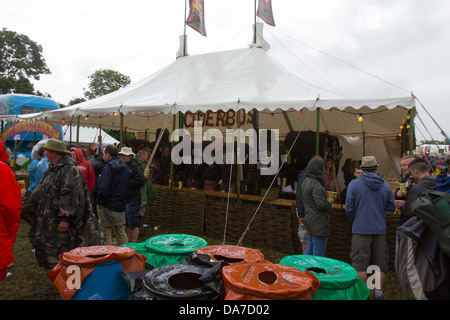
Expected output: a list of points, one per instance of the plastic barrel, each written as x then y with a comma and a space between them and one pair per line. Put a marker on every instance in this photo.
232, 254
179, 281
267, 281
168, 249
104, 283
94, 273
338, 280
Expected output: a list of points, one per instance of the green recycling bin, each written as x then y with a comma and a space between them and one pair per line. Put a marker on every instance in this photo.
338, 280
165, 249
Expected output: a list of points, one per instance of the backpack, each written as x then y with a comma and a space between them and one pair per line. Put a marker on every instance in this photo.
433, 208
422, 267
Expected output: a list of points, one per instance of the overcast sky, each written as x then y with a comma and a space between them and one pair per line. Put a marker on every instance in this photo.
362, 49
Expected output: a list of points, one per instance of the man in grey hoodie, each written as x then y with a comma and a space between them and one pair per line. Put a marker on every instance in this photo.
368, 199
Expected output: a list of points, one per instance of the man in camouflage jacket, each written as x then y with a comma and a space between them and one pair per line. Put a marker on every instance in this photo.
59, 210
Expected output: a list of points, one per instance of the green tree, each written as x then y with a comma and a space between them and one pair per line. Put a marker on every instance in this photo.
20, 59
105, 81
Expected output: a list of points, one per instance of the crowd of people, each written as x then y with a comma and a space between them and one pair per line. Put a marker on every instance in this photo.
76, 199
367, 199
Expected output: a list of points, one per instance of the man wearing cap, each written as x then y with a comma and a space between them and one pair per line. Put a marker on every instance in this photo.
368, 199
112, 187
59, 210
133, 199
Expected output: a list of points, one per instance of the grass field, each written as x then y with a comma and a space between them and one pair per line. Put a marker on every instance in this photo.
27, 277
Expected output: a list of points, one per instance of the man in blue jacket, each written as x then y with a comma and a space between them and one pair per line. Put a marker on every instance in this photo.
368, 199
111, 198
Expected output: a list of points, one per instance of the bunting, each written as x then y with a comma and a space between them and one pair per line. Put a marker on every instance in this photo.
196, 18
265, 12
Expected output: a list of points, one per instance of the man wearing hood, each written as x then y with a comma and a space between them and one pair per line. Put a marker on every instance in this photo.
317, 208
112, 194
368, 199
85, 168
59, 211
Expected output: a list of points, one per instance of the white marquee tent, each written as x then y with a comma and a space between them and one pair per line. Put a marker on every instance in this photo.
211, 87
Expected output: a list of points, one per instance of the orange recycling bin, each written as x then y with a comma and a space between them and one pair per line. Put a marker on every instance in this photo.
232, 254
94, 272
268, 281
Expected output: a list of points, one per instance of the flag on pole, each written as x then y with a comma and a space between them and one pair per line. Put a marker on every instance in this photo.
265, 12
196, 18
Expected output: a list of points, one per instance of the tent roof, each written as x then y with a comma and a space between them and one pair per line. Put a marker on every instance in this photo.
236, 79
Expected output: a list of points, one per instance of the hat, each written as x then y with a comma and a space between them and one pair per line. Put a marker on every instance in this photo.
126, 151
56, 145
369, 162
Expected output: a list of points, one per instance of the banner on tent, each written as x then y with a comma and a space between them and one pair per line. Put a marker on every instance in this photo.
33, 126
217, 119
265, 12
196, 19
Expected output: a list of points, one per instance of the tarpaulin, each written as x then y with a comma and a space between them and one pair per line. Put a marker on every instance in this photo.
232, 254
87, 259
267, 281
338, 280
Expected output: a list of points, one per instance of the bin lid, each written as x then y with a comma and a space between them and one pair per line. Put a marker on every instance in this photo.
232, 254
175, 243
339, 280
268, 281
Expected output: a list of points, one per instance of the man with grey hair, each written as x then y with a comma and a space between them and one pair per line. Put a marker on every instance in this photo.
423, 183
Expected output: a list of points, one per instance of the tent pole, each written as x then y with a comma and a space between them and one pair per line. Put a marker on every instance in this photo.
173, 145
254, 27
78, 131
121, 129
317, 131
184, 32
412, 135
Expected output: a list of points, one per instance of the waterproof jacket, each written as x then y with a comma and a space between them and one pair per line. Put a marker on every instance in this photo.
86, 169
368, 199
113, 185
61, 195
314, 196
137, 181
10, 205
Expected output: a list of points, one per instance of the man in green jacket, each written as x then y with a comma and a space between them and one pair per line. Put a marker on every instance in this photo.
59, 210
317, 207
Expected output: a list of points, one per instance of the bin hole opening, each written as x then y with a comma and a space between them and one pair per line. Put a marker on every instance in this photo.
316, 270
177, 244
96, 256
185, 281
267, 277
219, 257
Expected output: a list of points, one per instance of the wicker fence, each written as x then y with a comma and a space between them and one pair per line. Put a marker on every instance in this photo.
275, 224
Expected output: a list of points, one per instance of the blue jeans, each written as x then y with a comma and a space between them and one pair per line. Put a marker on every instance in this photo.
316, 246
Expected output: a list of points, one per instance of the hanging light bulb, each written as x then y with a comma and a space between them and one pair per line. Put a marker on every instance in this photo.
360, 117
301, 111
86, 118
63, 121
148, 119
401, 127
115, 114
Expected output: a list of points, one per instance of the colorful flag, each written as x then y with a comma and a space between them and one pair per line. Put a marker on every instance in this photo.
265, 12
196, 18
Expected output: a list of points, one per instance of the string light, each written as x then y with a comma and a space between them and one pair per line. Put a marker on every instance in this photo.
148, 119
360, 117
63, 121
115, 114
